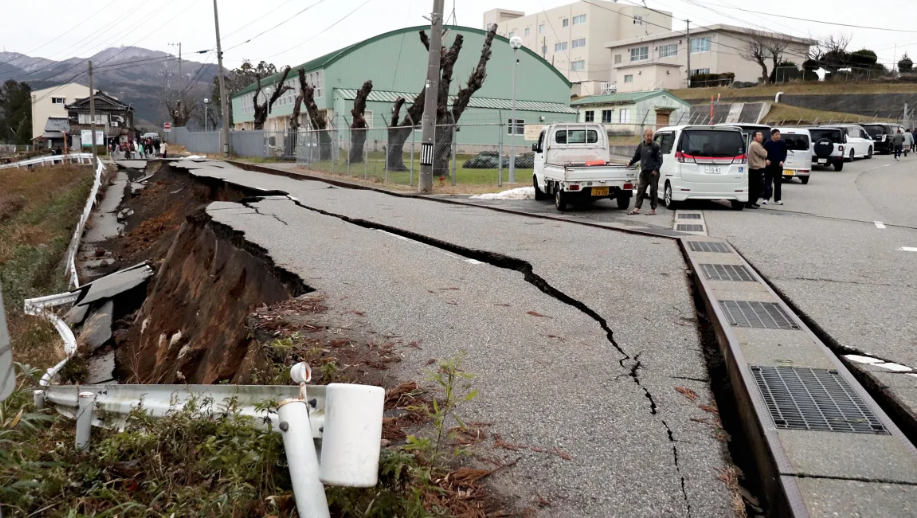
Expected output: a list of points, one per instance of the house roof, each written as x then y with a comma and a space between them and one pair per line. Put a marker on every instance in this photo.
329, 59
719, 27
103, 101
58, 124
476, 102
625, 98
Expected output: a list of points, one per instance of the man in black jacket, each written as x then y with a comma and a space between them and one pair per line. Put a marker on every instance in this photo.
650, 157
773, 174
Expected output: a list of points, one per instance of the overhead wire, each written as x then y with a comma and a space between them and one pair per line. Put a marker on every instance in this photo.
274, 27
326, 29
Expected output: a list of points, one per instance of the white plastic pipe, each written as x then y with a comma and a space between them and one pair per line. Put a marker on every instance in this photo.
352, 435
293, 417
84, 419
38, 398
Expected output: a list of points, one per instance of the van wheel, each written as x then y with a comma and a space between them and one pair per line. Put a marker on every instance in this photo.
737, 205
838, 165
804, 179
560, 199
539, 195
667, 197
851, 155
623, 201
869, 153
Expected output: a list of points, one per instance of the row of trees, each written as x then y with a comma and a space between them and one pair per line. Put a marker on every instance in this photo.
16, 112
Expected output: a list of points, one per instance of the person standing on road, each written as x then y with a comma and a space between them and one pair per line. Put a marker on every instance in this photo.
757, 162
898, 141
650, 157
773, 174
162, 149
908, 142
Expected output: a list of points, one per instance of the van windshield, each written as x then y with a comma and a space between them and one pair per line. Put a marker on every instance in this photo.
796, 142
878, 130
712, 143
834, 135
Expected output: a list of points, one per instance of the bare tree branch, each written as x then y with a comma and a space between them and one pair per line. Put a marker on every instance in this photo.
396, 110
754, 48
476, 81
263, 109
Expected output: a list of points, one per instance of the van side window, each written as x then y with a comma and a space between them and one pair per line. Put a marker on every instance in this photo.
561, 137
666, 141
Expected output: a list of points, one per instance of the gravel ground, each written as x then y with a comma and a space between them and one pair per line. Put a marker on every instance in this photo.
622, 458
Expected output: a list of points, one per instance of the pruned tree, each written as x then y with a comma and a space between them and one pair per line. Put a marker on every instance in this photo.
180, 107
445, 117
262, 110
754, 48
297, 109
238, 79
359, 127
775, 48
317, 119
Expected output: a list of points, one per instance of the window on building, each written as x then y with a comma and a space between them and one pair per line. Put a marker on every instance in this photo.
700, 44
640, 54
368, 115
541, 29
528, 31
590, 116
58, 100
578, 65
624, 115
101, 118
579, 43
566, 22
629, 78
606, 116
580, 19
317, 80
696, 71
519, 126
510, 35
638, 20
617, 59
668, 50
560, 47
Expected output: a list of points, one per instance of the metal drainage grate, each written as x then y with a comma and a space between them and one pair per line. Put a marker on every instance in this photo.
766, 315
709, 246
688, 216
690, 228
726, 272
814, 399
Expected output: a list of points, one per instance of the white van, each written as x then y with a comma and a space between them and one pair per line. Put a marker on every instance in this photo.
859, 143
703, 163
798, 163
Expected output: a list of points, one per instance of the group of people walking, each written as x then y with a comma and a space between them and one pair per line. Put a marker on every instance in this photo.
143, 148
765, 169
903, 141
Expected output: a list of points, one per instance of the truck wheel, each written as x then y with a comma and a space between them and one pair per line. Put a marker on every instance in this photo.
539, 195
560, 199
839, 165
737, 205
623, 201
667, 197
804, 179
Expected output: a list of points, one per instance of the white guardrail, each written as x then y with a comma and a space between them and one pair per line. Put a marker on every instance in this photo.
78, 158
78, 231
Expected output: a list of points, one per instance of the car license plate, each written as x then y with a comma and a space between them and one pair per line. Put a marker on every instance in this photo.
600, 191
709, 169
789, 172
822, 160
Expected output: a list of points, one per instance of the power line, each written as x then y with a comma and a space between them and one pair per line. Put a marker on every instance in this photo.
551, 25
323, 31
839, 24
274, 27
256, 20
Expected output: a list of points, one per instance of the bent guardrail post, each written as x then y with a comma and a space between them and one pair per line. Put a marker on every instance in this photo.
85, 402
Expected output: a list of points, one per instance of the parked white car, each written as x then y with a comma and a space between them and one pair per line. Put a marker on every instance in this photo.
703, 163
859, 143
798, 163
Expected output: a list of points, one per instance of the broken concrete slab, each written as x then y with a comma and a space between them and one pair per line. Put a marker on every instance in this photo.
97, 329
115, 284
76, 315
132, 164
102, 369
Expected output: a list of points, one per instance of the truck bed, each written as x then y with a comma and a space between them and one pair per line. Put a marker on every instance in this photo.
583, 173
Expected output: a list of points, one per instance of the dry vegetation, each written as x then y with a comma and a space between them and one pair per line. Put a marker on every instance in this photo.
805, 88
784, 114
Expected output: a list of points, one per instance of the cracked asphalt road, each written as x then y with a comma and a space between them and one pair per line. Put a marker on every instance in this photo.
595, 377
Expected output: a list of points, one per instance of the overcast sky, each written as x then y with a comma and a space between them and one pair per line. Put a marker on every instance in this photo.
38, 27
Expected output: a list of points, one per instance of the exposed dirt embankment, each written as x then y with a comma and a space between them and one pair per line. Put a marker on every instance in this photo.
192, 325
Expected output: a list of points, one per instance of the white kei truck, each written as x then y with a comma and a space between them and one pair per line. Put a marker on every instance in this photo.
571, 165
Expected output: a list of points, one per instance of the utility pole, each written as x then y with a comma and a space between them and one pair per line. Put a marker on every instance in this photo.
92, 118
428, 126
224, 106
179, 66
688, 40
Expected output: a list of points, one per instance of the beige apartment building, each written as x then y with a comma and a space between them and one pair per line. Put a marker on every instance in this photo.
51, 102
573, 37
660, 61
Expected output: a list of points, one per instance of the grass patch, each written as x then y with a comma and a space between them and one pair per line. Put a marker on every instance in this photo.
38, 210
794, 115
806, 88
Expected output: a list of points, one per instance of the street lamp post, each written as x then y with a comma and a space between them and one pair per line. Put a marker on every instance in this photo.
206, 104
515, 42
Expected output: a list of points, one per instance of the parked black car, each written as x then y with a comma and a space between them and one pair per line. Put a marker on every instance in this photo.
882, 134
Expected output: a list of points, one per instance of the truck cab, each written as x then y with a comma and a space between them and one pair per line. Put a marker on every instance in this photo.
571, 165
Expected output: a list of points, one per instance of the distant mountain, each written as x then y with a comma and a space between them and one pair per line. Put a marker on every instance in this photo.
134, 75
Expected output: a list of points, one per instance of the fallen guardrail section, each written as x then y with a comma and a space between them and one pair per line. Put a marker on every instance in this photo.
81, 225
78, 158
823, 446
331, 434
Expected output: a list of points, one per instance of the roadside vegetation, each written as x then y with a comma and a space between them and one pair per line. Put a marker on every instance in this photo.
799, 88
794, 115
38, 210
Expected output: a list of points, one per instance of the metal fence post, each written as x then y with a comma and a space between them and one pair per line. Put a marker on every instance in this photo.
454, 152
365, 155
500, 151
84, 419
413, 141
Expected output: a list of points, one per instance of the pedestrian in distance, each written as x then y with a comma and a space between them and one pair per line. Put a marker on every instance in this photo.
650, 157
757, 163
898, 142
773, 174
162, 149
908, 142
